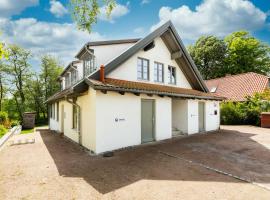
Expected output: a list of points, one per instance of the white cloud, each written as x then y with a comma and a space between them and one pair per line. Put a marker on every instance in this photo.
139, 30
60, 40
14, 7
213, 17
57, 8
145, 2
118, 11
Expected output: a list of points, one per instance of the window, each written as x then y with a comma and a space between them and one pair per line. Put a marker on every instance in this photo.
172, 75
74, 76
74, 117
143, 69
53, 111
57, 111
89, 66
50, 110
67, 80
158, 72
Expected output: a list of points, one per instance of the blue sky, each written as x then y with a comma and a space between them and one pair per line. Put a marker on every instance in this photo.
45, 26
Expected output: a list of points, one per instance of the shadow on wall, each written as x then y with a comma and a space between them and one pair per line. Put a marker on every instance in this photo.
230, 151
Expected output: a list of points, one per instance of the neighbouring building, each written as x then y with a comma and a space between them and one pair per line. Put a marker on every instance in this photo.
238, 87
123, 93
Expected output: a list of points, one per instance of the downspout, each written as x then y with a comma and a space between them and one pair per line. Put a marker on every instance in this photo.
78, 117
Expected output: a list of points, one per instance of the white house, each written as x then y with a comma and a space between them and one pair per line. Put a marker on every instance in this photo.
122, 93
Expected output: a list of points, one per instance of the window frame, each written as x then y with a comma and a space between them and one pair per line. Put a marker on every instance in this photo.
171, 74
157, 75
57, 111
142, 69
74, 116
89, 66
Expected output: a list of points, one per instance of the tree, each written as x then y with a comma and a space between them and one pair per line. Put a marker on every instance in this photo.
85, 12
2, 83
50, 71
246, 54
209, 54
18, 69
3, 52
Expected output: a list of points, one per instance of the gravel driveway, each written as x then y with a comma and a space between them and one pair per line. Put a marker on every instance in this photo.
55, 168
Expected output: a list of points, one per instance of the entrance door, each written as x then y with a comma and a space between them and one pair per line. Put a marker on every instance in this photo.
148, 120
201, 117
62, 118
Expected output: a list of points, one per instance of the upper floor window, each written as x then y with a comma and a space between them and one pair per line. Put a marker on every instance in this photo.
172, 75
159, 72
74, 76
89, 66
67, 80
143, 69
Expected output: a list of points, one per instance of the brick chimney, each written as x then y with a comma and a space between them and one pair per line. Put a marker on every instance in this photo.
102, 74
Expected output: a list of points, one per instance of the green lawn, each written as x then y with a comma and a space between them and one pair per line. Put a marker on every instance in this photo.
25, 131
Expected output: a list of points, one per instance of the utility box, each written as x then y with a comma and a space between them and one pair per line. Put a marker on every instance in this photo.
265, 119
29, 120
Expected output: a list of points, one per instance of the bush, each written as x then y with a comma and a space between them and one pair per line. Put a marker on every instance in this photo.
231, 113
3, 117
248, 112
3, 130
14, 123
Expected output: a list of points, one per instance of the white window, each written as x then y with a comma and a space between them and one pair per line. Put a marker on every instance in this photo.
74, 76
159, 72
74, 117
67, 80
143, 69
89, 66
172, 75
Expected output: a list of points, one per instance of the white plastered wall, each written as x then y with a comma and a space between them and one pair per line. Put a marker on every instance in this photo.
160, 53
212, 115
119, 120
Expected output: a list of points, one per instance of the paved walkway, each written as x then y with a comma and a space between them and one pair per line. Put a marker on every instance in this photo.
55, 168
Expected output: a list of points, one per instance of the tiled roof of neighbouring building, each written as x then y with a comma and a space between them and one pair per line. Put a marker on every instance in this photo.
237, 87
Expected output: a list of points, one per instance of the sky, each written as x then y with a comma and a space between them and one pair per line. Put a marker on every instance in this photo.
46, 27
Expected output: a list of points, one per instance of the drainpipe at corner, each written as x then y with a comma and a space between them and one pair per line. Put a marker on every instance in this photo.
78, 117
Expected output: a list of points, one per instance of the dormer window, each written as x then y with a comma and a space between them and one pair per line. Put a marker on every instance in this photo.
74, 76
89, 65
67, 80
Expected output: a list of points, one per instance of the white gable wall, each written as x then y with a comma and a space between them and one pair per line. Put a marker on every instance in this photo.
160, 53
105, 53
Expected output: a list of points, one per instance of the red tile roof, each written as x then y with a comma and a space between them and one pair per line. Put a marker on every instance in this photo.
237, 87
148, 88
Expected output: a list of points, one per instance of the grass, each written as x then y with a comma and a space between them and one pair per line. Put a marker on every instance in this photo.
25, 131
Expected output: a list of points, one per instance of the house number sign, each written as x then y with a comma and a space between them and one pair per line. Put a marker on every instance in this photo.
119, 119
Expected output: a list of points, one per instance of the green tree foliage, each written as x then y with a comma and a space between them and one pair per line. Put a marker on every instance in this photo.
246, 54
238, 53
27, 90
247, 112
209, 55
18, 69
85, 12
50, 71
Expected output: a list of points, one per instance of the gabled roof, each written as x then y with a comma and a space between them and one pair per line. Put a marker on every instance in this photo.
237, 87
71, 64
174, 43
87, 46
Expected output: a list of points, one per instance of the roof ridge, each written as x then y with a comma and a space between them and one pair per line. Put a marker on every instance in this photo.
242, 74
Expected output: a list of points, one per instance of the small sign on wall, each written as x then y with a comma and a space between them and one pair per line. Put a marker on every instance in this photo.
119, 119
